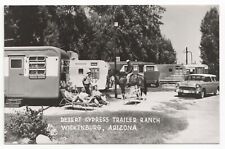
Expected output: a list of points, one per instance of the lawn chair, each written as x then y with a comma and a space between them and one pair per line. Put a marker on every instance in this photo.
66, 100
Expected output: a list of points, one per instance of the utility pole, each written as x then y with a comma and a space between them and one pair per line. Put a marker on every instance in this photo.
186, 55
191, 57
115, 60
115, 78
186, 51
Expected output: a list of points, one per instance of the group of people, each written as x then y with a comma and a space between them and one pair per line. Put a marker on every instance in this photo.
88, 94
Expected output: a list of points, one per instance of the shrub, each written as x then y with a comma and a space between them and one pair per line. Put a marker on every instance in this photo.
28, 125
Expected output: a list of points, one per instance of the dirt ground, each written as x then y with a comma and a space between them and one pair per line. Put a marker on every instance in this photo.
203, 118
202, 115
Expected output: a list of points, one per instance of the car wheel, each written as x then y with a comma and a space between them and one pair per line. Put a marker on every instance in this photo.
180, 94
201, 94
157, 84
217, 91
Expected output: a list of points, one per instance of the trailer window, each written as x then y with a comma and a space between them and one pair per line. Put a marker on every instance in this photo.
37, 67
16, 63
94, 73
150, 68
135, 68
80, 71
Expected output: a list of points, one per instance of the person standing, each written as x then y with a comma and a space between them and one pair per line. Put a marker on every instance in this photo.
129, 70
87, 82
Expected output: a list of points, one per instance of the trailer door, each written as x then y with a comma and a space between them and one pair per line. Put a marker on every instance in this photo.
16, 76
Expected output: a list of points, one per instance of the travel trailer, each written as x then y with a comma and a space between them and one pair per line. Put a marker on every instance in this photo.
171, 73
197, 68
34, 72
151, 74
162, 73
147, 69
99, 72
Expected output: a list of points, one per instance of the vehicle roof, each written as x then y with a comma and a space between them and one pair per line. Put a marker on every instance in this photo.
36, 48
196, 65
204, 75
89, 61
133, 62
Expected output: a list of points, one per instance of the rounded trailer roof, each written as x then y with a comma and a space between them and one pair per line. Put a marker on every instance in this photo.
37, 48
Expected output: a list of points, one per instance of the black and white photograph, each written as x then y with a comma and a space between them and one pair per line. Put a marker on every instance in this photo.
111, 74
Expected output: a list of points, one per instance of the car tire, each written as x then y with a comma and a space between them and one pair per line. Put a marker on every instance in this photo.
201, 94
157, 84
180, 94
217, 91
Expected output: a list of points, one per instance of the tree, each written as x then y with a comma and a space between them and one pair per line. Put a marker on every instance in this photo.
10, 27
61, 26
167, 54
209, 45
25, 25
73, 27
137, 37
51, 34
90, 30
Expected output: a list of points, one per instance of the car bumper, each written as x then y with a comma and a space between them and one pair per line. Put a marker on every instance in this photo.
183, 91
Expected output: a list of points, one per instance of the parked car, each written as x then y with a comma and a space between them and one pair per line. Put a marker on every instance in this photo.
198, 85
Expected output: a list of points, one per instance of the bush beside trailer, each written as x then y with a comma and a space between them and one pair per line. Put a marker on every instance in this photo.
34, 72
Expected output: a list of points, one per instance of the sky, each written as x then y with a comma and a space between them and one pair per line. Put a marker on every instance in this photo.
182, 27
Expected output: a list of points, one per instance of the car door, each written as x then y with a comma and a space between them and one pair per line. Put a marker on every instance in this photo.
208, 84
215, 84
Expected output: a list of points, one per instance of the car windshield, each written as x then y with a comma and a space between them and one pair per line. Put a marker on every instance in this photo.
195, 78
